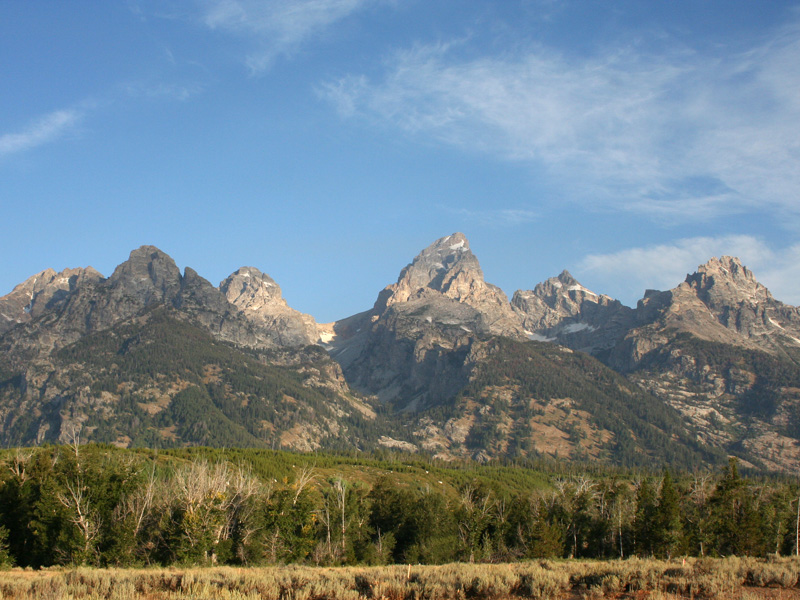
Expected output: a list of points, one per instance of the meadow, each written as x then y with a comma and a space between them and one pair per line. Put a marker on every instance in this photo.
641, 579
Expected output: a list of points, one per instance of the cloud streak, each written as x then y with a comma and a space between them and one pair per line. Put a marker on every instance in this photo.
497, 217
275, 26
679, 135
626, 274
43, 131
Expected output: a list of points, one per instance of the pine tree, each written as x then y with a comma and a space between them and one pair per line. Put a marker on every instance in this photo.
645, 519
667, 527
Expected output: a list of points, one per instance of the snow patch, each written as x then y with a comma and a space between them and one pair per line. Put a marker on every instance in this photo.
326, 337
538, 338
778, 325
575, 327
466, 329
458, 246
580, 288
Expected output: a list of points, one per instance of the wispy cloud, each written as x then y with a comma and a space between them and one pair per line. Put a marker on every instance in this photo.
43, 131
277, 27
162, 91
496, 217
626, 274
677, 135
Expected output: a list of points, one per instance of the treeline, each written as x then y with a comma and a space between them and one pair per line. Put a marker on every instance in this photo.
95, 505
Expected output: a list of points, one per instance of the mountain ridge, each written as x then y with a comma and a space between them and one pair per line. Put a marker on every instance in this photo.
418, 370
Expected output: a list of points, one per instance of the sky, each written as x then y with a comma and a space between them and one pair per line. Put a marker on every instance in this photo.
327, 142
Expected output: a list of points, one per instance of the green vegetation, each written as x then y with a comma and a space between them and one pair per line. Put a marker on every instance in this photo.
101, 506
645, 430
159, 381
772, 373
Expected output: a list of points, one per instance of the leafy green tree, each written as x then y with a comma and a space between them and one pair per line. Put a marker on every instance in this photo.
475, 516
288, 526
696, 514
533, 533
344, 522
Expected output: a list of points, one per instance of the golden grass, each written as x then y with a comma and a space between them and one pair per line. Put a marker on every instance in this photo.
728, 579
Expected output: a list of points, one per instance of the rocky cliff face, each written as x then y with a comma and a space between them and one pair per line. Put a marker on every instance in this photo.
45, 291
155, 356
722, 302
414, 347
141, 352
560, 309
447, 269
724, 353
735, 300
77, 302
259, 298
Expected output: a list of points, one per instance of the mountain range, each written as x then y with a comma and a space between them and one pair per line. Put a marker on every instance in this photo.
442, 363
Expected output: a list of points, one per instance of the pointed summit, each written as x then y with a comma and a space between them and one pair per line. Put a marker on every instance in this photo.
249, 289
448, 270
149, 275
446, 266
723, 292
723, 280
721, 302
561, 306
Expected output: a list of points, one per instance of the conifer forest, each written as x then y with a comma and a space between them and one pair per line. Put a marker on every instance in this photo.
95, 505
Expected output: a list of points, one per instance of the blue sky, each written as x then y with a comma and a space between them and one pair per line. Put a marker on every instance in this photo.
326, 142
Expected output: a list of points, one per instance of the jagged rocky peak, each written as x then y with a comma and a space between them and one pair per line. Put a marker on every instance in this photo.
447, 269
149, 275
250, 290
447, 266
260, 299
556, 299
561, 291
723, 280
41, 292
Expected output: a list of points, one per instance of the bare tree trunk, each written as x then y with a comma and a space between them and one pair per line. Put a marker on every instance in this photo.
797, 531
341, 495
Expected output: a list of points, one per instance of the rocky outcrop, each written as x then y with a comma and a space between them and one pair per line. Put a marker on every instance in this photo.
560, 309
718, 350
447, 269
414, 347
139, 354
43, 292
722, 302
259, 298
246, 310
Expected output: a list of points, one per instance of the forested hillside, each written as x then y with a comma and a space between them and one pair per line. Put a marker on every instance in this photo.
161, 381
539, 399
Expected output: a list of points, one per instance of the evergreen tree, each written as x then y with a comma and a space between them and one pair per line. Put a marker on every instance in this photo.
737, 525
645, 519
667, 530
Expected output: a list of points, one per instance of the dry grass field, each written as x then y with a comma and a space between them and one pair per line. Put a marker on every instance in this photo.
730, 578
